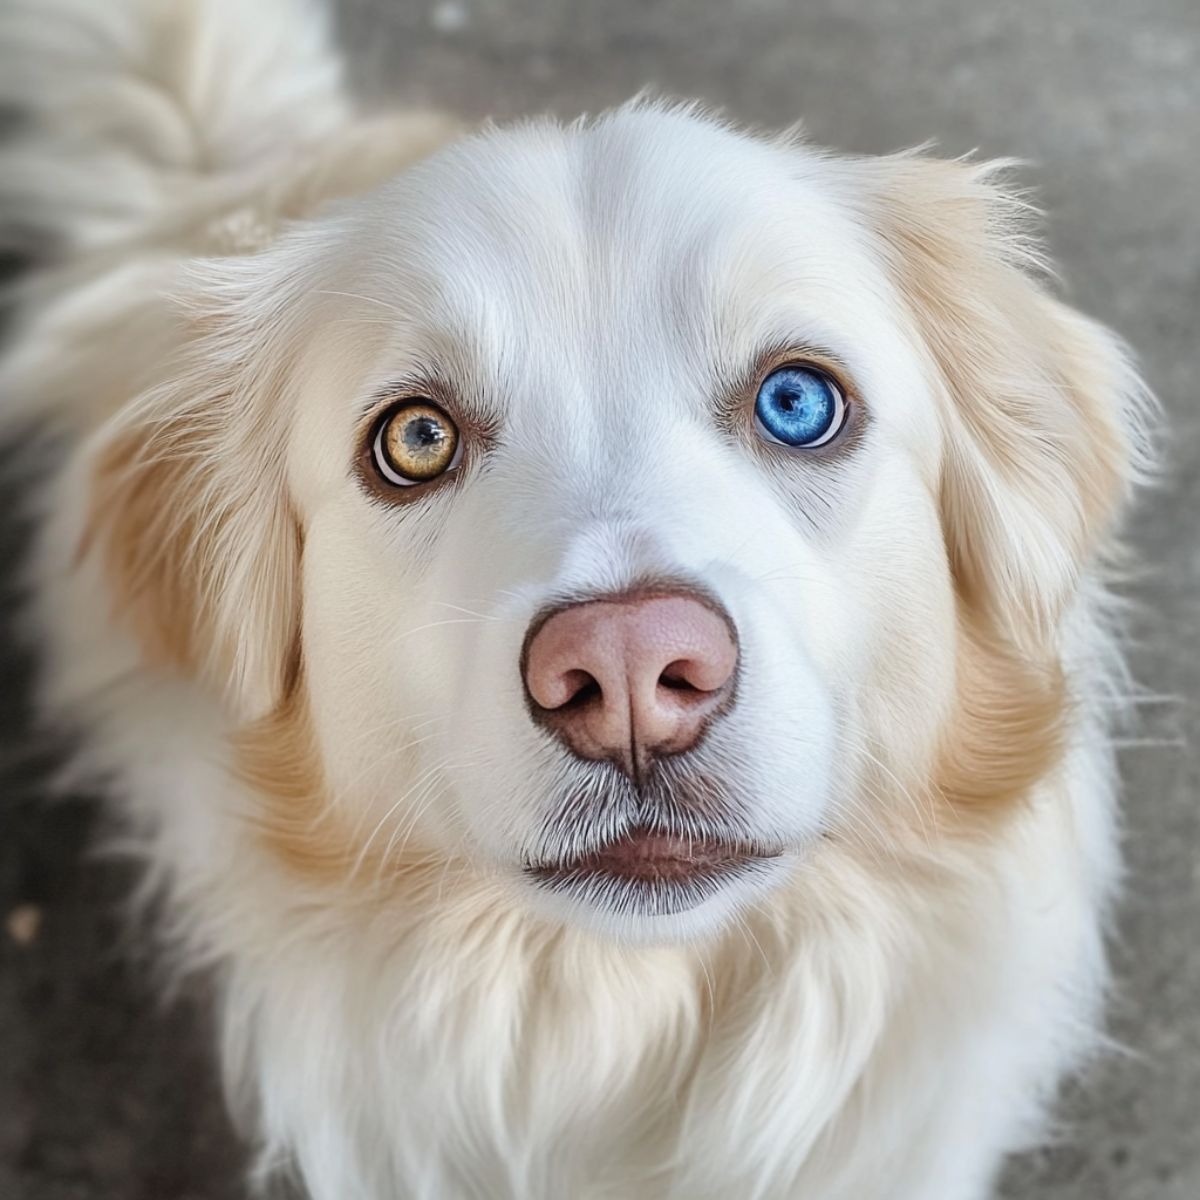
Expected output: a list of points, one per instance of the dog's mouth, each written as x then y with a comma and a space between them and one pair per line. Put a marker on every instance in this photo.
648, 871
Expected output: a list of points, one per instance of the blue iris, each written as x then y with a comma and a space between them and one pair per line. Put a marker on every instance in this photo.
799, 406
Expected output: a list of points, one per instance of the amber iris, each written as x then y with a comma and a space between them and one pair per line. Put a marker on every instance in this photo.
415, 443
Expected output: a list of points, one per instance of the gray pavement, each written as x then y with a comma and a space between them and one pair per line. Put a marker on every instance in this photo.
104, 1095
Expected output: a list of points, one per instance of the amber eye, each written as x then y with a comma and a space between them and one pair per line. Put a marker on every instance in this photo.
415, 443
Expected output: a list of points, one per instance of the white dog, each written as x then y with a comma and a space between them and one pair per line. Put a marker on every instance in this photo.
598, 633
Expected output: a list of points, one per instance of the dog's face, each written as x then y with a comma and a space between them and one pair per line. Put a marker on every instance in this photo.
624, 509
614, 648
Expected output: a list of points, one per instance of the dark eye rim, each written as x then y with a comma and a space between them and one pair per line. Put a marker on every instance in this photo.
740, 419
391, 402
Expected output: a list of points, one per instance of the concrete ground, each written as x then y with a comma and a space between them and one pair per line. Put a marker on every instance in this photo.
106, 1096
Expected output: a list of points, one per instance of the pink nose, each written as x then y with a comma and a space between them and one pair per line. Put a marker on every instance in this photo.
631, 677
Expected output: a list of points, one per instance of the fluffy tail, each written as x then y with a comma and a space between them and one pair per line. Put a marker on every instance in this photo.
130, 113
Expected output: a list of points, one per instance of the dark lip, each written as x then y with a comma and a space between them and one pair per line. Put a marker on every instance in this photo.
647, 858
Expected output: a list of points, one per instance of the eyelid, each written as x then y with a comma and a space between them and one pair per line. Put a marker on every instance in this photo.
741, 388
410, 391
809, 358
468, 416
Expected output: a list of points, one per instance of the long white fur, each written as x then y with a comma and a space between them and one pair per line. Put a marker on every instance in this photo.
886, 1022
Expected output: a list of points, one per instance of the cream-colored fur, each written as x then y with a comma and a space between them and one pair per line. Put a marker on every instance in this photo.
303, 703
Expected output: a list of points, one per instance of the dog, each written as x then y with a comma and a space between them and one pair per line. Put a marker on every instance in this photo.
598, 633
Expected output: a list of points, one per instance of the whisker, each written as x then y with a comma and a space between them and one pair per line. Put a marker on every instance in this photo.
392, 308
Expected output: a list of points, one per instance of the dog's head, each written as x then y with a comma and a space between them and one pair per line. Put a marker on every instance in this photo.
622, 509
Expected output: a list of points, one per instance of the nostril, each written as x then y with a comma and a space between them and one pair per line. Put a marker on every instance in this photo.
704, 676
580, 688
676, 679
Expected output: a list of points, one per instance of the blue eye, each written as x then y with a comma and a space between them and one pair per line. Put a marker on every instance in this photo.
799, 406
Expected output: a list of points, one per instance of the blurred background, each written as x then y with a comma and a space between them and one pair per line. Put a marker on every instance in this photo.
107, 1094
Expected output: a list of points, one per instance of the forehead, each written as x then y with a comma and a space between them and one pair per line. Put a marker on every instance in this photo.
645, 230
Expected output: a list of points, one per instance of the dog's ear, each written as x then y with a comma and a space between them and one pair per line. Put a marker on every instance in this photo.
1044, 411
189, 503
189, 509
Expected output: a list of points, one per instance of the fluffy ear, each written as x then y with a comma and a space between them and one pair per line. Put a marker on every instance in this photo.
1044, 410
189, 507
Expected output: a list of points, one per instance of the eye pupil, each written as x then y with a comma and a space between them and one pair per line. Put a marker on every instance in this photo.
422, 432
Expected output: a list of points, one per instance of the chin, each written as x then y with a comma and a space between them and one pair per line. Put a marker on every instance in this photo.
647, 887
598, 632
